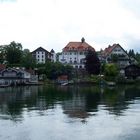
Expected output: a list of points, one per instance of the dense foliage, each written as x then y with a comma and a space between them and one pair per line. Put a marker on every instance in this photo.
92, 63
13, 53
111, 70
27, 60
53, 70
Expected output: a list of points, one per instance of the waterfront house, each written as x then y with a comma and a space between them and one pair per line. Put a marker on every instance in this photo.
74, 53
13, 76
33, 76
115, 54
132, 71
41, 55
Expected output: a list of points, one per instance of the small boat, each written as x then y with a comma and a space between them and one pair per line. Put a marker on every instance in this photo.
64, 84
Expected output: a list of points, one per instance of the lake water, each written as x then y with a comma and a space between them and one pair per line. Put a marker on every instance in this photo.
70, 113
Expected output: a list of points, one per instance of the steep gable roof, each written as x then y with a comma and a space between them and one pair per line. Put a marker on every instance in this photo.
110, 48
9, 70
40, 49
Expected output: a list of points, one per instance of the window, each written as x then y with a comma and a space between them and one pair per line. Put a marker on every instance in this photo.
76, 66
38, 56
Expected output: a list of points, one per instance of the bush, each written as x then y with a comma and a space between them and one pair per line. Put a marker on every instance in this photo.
111, 70
120, 79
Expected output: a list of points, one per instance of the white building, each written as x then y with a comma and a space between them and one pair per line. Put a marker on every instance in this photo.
41, 55
122, 58
74, 53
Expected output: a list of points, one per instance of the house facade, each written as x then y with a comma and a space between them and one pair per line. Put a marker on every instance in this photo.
74, 53
115, 54
41, 55
13, 76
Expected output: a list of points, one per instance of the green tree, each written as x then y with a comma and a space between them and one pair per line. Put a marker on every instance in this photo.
27, 59
13, 53
111, 70
92, 63
68, 70
54, 69
2, 54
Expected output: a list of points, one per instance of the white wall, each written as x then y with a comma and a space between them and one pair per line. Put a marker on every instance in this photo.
40, 57
66, 57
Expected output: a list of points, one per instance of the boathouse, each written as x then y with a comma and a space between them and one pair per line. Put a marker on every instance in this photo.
132, 71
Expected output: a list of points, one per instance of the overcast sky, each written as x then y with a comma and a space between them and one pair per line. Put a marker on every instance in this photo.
53, 23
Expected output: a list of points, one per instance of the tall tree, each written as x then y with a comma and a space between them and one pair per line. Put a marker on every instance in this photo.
92, 63
27, 59
13, 53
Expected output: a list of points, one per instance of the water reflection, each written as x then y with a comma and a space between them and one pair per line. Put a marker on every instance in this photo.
76, 101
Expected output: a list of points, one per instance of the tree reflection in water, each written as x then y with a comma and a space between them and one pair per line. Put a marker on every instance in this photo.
76, 101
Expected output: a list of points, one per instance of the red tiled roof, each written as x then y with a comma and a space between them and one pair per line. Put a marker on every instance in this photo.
108, 50
78, 46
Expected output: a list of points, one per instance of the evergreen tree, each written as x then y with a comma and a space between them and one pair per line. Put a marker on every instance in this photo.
131, 53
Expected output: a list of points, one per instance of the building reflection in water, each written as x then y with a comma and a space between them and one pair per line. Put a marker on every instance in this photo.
77, 102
